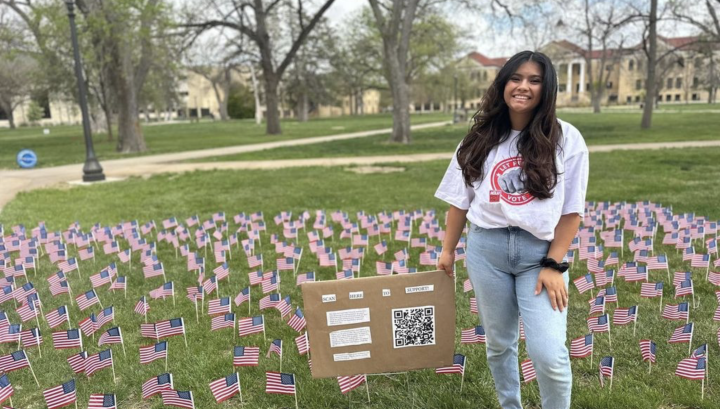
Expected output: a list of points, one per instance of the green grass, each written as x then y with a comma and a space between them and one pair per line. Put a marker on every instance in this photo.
65, 144
681, 178
608, 128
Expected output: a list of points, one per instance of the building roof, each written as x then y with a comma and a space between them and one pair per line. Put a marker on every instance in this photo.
487, 61
610, 52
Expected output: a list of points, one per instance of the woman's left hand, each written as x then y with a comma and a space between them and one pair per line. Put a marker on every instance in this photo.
554, 283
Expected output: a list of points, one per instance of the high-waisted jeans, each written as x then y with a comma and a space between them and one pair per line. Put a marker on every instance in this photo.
503, 265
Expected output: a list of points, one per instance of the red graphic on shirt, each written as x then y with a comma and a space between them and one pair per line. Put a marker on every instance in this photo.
507, 177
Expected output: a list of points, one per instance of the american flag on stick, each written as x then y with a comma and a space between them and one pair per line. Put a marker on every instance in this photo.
61, 395
676, 311
102, 401
246, 356
87, 300
458, 366
77, 362
581, 347
528, 371
283, 383
226, 387
606, 369
584, 283
474, 335
297, 321
682, 334
181, 399
647, 350
651, 290
251, 325
157, 384
692, 368
624, 316
153, 352
348, 383
67, 339
219, 306
222, 321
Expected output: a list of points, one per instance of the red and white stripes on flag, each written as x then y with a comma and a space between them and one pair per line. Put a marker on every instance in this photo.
61, 395
225, 387
528, 371
348, 383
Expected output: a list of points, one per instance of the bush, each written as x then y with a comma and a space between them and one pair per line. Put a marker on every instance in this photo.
241, 103
35, 113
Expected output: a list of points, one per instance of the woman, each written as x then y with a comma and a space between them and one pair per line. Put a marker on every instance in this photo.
520, 177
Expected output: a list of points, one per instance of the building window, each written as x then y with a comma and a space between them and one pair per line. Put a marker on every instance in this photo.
696, 82
698, 62
638, 84
561, 88
609, 85
628, 99
669, 83
678, 82
668, 97
485, 76
695, 97
631, 66
681, 62
677, 97
639, 65
637, 98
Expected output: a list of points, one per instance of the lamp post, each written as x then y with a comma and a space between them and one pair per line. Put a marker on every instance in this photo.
92, 171
455, 104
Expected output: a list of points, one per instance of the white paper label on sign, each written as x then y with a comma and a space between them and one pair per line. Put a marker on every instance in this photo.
351, 356
348, 337
386, 292
347, 317
357, 295
419, 289
328, 298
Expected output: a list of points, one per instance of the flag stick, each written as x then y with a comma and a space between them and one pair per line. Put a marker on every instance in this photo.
609, 337
112, 365
637, 312
249, 300
690, 343
125, 288
650, 366
167, 352
702, 390
281, 354
185, 336
75, 403
234, 331
462, 377
173, 294
239, 388
661, 297
591, 354
99, 302
31, 369
122, 342
611, 379
367, 388
197, 317
296, 402
11, 404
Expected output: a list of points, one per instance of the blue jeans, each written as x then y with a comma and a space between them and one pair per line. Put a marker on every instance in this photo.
503, 265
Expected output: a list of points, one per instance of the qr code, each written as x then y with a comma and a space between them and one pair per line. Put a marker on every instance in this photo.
413, 326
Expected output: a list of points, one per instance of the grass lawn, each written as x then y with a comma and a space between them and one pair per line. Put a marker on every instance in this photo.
609, 128
65, 144
681, 178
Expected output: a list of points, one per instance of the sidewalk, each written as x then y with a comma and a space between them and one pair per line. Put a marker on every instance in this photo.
15, 181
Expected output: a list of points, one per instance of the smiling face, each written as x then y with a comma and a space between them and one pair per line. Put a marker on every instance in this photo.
523, 92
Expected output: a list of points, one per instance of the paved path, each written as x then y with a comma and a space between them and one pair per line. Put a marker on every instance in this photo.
15, 181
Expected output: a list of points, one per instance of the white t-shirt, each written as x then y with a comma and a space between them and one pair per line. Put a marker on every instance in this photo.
499, 200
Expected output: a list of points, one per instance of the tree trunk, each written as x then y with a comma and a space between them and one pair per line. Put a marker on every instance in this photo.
272, 111
650, 97
401, 99
596, 104
256, 93
11, 118
303, 107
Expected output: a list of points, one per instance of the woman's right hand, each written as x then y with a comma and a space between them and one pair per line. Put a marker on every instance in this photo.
447, 262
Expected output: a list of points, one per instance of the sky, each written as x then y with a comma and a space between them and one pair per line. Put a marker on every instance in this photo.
493, 41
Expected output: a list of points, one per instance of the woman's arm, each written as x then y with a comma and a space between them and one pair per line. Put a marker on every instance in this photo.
454, 226
551, 279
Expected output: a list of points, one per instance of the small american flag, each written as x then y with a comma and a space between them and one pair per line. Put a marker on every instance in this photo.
659, 262
210, 285
77, 362
676, 311
688, 254
153, 270
61, 395
684, 288
700, 261
474, 335
604, 278
94, 363
581, 347
165, 290
458, 366
595, 266
219, 306
31, 337
181, 399
102, 401
612, 259
28, 311
680, 276
275, 347
14, 361
713, 278
528, 371
277, 382
142, 307
699, 351
269, 301
148, 331
302, 344
473, 305
111, 336
682, 334
381, 248
467, 285
154, 352
599, 324
69, 265
120, 283
629, 267
6, 389
348, 383
606, 368
623, 316
225, 388
67, 339
169, 328
297, 321
125, 256
251, 325
651, 290
640, 274
222, 321
157, 384
246, 356
647, 350
87, 299
609, 293
584, 283
222, 271
87, 253
692, 368
243, 296
284, 306
305, 278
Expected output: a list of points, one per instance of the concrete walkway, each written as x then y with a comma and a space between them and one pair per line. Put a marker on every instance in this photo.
15, 181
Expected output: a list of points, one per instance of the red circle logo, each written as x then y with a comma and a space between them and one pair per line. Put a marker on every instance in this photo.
506, 177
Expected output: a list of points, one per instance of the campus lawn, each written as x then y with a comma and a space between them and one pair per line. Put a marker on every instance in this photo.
682, 178
607, 128
65, 144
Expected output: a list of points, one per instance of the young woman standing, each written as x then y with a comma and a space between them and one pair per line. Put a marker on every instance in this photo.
520, 177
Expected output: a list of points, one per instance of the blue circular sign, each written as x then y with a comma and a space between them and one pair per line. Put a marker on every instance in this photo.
26, 159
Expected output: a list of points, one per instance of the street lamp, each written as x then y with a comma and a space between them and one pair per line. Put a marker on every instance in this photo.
92, 171
455, 104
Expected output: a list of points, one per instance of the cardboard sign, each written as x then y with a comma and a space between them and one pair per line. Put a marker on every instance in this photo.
380, 324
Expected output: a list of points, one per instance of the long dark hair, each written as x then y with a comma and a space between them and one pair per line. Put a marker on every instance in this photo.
538, 142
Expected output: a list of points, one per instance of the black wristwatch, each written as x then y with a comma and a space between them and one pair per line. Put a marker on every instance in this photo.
549, 262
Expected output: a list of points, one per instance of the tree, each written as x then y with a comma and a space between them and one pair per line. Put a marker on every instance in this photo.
394, 20
650, 48
17, 68
255, 19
